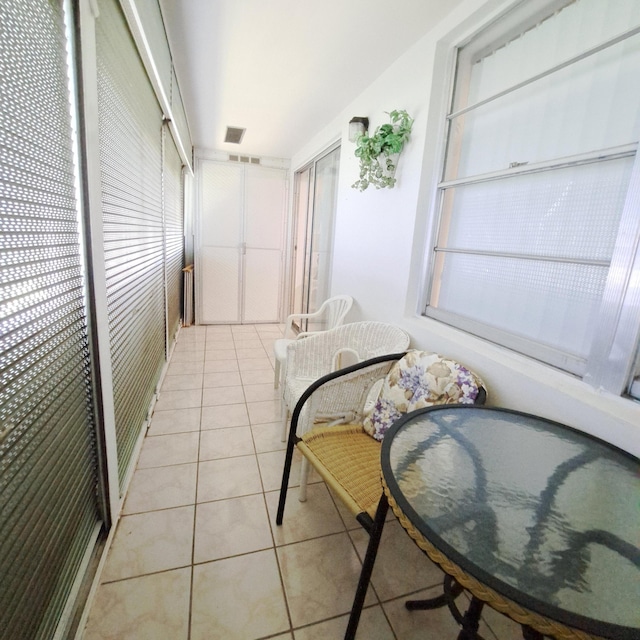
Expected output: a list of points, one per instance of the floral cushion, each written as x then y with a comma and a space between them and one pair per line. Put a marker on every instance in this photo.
420, 379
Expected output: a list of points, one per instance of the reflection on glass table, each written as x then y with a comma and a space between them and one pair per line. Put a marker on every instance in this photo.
538, 520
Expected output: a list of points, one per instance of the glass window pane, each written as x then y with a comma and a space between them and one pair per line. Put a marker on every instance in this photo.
552, 303
590, 105
570, 213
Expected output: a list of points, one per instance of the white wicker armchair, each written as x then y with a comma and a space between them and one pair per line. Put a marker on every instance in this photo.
331, 314
320, 354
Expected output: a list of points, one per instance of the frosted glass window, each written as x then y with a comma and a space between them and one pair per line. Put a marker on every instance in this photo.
537, 198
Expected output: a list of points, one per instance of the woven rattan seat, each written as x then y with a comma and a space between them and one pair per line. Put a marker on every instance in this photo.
348, 460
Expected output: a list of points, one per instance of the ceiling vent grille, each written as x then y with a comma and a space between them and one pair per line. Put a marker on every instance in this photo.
246, 159
234, 135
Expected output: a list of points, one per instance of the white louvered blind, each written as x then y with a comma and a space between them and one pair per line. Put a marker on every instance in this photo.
130, 123
49, 515
173, 230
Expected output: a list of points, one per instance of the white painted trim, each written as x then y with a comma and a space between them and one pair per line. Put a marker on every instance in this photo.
146, 54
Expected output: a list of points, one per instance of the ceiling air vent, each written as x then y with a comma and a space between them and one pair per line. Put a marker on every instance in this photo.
246, 159
234, 135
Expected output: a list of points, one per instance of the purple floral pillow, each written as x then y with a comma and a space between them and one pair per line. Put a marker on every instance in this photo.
420, 379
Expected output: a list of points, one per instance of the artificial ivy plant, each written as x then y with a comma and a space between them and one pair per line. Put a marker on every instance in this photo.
378, 153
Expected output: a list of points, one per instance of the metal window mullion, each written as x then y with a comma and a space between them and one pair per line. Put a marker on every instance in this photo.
566, 63
525, 256
591, 157
617, 332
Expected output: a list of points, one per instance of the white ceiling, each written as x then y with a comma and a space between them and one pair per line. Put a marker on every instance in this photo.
283, 69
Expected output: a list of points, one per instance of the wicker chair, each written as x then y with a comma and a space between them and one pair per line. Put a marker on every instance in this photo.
331, 314
322, 353
345, 455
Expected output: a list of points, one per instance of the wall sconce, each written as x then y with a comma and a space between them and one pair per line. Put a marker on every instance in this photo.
357, 127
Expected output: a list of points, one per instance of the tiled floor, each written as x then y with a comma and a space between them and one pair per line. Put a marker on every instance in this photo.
197, 554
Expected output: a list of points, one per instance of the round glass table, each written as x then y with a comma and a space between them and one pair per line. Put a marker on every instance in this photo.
537, 519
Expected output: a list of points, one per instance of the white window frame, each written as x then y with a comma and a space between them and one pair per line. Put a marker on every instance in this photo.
614, 351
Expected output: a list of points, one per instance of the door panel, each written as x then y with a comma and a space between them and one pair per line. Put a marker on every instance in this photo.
262, 285
221, 212
265, 203
220, 277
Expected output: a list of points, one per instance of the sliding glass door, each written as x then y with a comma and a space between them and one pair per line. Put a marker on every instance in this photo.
315, 204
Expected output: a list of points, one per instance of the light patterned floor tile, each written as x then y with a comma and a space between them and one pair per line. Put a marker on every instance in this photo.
220, 354
250, 353
222, 395
256, 364
259, 376
238, 599
220, 366
222, 344
272, 465
183, 381
231, 527
222, 379
189, 398
150, 542
226, 443
229, 415
161, 488
228, 478
400, 567
195, 355
185, 368
261, 392
264, 411
373, 626
154, 607
174, 421
315, 517
418, 625
320, 578
174, 448
268, 437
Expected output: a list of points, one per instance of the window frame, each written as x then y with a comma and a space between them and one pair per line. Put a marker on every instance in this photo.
611, 361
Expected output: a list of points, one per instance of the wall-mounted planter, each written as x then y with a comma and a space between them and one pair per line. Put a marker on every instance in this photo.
379, 153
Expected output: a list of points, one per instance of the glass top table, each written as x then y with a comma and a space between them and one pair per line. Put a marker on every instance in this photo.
543, 515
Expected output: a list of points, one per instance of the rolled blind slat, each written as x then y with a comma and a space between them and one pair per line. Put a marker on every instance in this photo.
130, 123
174, 247
48, 469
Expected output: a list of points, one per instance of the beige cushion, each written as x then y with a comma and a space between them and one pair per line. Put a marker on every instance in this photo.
420, 379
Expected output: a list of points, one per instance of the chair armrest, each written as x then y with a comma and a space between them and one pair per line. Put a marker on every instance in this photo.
302, 316
341, 392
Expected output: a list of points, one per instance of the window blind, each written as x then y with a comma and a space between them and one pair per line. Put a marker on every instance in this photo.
173, 223
49, 514
130, 122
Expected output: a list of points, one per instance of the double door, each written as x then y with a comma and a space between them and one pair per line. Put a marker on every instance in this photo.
241, 238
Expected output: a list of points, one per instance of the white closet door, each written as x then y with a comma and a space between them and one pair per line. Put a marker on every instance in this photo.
220, 241
242, 220
265, 200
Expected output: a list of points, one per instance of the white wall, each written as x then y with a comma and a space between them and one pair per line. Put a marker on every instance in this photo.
379, 237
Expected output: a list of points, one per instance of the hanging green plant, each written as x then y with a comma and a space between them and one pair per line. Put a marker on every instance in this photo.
378, 154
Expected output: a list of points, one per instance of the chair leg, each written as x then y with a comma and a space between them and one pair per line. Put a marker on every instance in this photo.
286, 473
284, 414
276, 375
367, 568
304, 477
